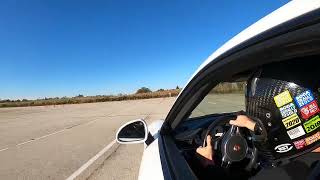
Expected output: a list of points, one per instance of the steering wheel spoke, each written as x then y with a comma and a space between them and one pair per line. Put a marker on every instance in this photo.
234, 130
249, 152
225, 163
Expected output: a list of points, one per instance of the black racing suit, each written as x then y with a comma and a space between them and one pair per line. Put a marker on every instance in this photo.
305, 167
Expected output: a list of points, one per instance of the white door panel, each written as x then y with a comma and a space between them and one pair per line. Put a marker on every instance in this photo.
150, 167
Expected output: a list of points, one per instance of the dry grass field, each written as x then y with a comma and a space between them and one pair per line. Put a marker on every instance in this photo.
88, 99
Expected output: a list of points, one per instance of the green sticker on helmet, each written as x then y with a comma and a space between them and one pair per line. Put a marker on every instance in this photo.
312, 124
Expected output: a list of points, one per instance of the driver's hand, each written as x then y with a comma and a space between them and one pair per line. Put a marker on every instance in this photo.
243, 121
206, 152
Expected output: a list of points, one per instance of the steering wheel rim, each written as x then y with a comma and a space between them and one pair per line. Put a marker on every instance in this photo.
233, 132
223, 119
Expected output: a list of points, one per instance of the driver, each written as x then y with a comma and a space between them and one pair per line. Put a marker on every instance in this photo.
283, 117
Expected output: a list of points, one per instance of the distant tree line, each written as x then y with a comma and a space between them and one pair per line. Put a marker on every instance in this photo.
142, 93
227, 87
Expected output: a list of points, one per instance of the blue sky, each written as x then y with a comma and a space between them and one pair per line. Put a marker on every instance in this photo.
52, 48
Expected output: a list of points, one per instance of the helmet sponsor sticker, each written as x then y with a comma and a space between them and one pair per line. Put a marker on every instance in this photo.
283, 148
300, 144
304, 98
296, 132
288, 110
309, 110
283, 98
312, 139
291, 121
312, 124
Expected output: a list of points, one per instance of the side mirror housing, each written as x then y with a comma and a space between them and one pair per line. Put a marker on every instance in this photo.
133, 132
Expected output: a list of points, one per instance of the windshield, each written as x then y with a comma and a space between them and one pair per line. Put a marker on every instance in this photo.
225, 97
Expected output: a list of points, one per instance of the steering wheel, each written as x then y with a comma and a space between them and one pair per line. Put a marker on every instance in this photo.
234, 146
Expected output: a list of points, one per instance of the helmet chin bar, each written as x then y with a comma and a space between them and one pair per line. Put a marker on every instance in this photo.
234, 148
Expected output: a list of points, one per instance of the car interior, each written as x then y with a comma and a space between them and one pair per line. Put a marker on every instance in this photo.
212, 116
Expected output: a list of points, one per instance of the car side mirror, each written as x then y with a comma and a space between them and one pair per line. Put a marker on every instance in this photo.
133, 132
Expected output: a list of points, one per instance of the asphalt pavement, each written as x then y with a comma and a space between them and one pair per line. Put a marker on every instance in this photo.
51, 142
125, 162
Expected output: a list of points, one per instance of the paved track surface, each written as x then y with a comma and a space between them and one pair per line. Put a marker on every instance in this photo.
125, 162
54, 141
219, 103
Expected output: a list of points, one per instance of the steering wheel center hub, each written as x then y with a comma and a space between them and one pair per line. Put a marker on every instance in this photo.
236, 148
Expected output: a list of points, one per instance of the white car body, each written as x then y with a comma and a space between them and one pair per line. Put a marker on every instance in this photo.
151, 167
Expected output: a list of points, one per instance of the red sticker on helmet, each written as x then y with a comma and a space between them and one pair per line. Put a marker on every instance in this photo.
299, 144
309, 110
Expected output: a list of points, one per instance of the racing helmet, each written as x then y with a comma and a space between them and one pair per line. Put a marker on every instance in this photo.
284, 99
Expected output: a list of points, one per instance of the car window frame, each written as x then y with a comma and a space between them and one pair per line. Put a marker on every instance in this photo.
286, 41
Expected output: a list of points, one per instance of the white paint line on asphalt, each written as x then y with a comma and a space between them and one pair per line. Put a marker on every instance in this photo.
4, 149
70, 127
67, 128
41, 137
47, 135
212, 103
91, 161
91, 122
26, 142
62, 130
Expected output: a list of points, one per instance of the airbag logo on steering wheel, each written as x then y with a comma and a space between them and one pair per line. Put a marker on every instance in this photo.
283, 148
